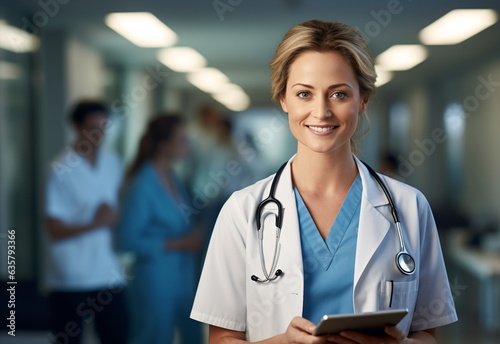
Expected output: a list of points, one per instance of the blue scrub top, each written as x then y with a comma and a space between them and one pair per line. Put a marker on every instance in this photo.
329, 264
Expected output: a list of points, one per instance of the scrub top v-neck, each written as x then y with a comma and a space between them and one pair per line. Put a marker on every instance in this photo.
329, 263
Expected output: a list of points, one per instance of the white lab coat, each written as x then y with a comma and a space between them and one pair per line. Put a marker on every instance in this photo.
228, 298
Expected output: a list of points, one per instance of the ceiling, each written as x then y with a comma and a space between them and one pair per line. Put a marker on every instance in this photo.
241, 38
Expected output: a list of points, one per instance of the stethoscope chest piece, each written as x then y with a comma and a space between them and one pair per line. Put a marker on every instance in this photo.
405, 263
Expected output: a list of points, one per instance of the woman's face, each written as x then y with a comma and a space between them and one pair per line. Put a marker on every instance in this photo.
177, 146
322, 100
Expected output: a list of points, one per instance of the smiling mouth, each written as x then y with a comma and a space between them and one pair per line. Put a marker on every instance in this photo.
322, 129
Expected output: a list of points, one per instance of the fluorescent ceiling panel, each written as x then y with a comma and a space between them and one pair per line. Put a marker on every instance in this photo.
233, 97
17, 40
209, 80
402, 57
457, 26
181, 59
142, 28
234, 102
228, 88
212, 80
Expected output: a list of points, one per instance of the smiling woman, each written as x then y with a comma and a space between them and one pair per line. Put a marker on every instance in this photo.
332, 235
342, 39
323, 101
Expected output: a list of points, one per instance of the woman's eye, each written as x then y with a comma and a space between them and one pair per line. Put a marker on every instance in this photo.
339, 95
303, 94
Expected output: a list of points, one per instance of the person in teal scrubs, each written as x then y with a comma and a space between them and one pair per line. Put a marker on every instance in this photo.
163, 241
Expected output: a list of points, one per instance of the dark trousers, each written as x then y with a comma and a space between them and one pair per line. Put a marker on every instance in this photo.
103, 308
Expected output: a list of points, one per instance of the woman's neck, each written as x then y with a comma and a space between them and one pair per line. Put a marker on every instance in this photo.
322, 173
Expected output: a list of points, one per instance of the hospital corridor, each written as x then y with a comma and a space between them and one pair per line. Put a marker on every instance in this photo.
170, 167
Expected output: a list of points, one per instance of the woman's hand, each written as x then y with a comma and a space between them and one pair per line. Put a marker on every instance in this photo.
394, 336
300, 332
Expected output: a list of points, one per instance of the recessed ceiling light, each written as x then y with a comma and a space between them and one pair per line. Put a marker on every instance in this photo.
228, 88
17, 40
212, 80
402, 57
208, 79
233, 100
457, 26
142, 28
181, 59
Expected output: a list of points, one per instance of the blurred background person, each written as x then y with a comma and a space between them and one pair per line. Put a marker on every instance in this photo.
162, 239
207, 157
389, 166
225, 172
203, 136
228, 153
84, 274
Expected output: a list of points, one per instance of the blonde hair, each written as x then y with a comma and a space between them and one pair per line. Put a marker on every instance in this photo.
322, 36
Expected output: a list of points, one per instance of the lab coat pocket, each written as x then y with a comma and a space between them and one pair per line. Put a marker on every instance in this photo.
396, 294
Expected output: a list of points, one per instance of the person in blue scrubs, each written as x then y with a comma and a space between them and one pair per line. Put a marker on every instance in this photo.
162, 240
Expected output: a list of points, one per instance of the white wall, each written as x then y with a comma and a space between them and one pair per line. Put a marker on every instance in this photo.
84, 71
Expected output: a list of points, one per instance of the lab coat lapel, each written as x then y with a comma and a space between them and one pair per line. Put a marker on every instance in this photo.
373, 225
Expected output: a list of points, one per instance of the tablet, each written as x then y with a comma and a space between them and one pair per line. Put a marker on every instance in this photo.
372, 323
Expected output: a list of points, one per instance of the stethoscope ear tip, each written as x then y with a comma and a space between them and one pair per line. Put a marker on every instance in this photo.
254, 278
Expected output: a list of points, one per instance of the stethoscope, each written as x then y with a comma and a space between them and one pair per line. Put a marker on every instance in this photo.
404, 261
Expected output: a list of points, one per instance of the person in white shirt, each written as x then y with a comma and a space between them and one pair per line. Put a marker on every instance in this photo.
83, 274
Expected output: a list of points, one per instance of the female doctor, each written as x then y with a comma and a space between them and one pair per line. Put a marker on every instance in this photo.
336, 250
